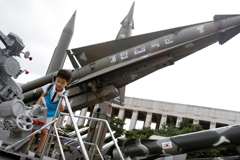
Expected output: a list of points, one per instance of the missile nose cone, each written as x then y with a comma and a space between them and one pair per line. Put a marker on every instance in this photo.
129, 18
71, 22
130, 13
133, 5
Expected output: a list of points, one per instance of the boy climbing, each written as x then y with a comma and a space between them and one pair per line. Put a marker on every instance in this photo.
51, 93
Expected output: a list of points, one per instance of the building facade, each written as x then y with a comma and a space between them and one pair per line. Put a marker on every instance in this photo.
137, 113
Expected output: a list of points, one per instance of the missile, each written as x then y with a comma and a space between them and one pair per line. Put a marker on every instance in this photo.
124, 32
59, 54
180, 144
126, 60
127, 25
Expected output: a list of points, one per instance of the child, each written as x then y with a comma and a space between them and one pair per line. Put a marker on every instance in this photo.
52, 100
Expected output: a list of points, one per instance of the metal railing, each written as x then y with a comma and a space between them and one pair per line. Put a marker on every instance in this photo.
93, 119
109, 129
55, 133
84, 151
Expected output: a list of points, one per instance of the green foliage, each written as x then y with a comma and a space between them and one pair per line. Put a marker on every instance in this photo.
219, 152
171, 130
189, 127
144, 133
117, 124
70, 128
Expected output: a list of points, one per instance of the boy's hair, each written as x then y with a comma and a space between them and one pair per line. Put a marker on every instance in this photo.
65, 74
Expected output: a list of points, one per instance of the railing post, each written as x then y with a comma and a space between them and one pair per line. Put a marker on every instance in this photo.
85, 154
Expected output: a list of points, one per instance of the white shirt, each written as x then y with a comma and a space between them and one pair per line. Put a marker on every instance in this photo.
45, 87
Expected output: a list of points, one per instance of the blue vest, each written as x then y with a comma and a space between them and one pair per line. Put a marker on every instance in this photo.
52, 106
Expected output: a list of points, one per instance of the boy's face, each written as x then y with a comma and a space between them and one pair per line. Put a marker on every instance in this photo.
60, 84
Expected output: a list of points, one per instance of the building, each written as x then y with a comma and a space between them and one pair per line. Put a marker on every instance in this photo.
138, 112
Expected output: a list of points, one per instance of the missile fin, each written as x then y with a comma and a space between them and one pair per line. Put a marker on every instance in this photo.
133, 24
228, 34
120, 99
73, 61
123, 20
221, 17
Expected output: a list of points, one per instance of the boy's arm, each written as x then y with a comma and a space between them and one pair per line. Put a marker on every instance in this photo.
62, 108
40, 98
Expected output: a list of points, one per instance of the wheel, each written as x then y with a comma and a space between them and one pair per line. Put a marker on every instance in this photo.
24, 122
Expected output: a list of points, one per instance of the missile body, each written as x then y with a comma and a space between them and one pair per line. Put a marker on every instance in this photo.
135, 57
175, 145
59, 54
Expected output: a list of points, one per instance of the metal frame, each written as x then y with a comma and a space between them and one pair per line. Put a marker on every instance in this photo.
109, 129
84, 152
54, 129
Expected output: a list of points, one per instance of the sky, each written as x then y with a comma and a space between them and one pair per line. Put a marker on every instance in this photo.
208, 78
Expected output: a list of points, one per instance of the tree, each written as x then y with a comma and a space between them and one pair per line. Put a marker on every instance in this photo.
144, 133
117, 124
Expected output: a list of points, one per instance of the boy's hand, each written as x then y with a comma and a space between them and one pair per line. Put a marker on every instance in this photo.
59, 95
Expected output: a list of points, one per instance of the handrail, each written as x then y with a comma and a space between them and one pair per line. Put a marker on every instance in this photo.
54, 128
84, 151
108, 126
85, 154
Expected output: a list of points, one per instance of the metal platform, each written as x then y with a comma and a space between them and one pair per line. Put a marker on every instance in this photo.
8, 155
